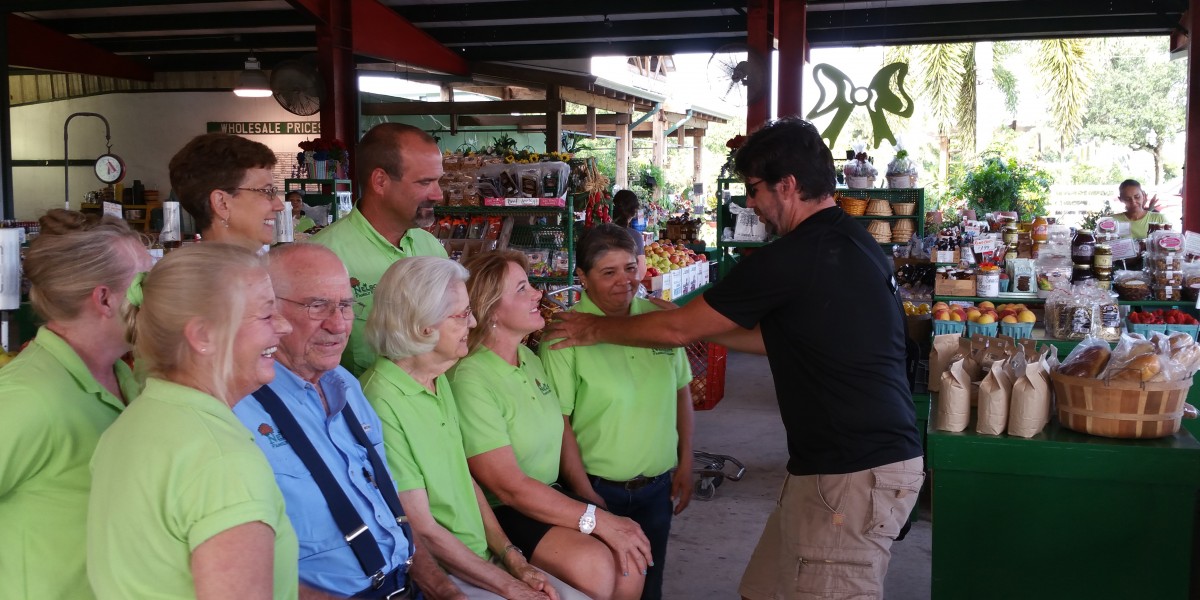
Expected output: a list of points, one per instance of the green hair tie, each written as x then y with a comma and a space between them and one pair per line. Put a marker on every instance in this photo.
134, 293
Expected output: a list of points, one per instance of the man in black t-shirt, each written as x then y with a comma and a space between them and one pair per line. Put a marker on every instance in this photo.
820, 302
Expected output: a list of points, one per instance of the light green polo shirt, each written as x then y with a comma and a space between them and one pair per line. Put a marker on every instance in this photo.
425, 450
367, 255
53, 414
622, 401
1140, 228
175, 470
502, 405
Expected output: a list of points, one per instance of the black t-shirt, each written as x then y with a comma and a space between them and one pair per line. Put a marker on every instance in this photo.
835, 340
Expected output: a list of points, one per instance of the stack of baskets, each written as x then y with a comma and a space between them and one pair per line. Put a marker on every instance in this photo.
855, 207
904, 208
879, 208
881, 231
902, 231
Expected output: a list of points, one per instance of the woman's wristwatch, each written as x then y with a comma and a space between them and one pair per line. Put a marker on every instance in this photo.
587, 522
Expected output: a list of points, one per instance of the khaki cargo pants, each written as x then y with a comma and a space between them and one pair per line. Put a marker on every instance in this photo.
830, 536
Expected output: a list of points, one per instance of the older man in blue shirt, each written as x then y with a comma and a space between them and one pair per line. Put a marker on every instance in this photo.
325, 444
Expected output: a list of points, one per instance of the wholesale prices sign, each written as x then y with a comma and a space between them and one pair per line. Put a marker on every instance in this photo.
265, 127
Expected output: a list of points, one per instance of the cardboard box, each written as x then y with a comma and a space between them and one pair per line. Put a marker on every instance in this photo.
676, 283
654, 285
954, 287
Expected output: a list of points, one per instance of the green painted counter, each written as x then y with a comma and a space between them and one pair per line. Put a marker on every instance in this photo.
1062, 515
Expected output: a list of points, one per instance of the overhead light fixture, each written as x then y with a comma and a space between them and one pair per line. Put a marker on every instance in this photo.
252, 83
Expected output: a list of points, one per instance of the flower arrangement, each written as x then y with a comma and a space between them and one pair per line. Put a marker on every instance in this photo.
324, 149
733, 144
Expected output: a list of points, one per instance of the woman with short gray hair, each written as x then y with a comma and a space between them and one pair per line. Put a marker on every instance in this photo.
418, 327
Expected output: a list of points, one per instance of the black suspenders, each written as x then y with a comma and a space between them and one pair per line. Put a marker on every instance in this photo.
354, 530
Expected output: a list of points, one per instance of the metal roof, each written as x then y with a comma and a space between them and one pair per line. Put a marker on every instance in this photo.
216, 35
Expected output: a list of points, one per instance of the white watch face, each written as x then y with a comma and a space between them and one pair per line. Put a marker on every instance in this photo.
109, 168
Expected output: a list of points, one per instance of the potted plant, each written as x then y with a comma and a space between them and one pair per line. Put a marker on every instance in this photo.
1000, 184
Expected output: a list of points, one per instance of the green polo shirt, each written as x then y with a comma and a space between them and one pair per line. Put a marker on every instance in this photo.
54, 412
367, 255
425, 449
622, 401
175, 470
502, 405
1140, 228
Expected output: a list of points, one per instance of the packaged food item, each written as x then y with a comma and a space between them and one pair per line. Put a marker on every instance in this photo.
1088, 359
1083, 247
1131, 285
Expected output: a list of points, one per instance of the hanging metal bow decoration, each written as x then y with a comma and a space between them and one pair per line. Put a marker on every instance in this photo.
877, 97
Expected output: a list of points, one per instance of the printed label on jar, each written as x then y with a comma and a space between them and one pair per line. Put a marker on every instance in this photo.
1083, 251
1102, 261
1110, 316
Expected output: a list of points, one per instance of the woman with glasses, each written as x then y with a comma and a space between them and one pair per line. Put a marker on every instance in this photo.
513, 433
226, 183
59, 394
418, 328
183, 503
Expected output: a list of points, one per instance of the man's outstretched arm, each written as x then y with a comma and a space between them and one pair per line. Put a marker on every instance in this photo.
660, 329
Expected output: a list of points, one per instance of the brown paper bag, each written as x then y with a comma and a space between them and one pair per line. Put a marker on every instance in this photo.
1030, 404
945, 347
954, 400
995, 393
973, 363
997, 350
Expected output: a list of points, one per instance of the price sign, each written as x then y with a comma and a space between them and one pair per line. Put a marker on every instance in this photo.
1191, 243
112, 209
984, 245
1123, 248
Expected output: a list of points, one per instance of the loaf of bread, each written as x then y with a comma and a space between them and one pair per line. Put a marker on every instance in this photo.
1141, 368
1179, 340
1090, 362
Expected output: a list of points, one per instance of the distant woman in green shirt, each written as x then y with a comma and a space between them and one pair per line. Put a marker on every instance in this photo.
1140, 212
184, 504
629, 408
514, 435
59, 395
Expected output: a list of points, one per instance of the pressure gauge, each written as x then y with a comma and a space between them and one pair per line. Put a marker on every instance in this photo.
110, 168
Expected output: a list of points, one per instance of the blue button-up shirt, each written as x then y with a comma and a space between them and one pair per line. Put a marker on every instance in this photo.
326, 560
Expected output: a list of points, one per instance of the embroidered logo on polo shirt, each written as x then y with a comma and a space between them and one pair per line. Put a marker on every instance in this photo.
545, 389
274, 437
662, 352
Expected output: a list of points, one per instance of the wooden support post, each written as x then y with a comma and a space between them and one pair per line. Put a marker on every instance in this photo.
339, 110
790, 28
698, 158
1191, 161
759, 40
624, 137
660, 140
591, 121
553, 118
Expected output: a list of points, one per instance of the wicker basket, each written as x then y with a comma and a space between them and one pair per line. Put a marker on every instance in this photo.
1120, 409
855, 207
881, 231
904, 208
879, 208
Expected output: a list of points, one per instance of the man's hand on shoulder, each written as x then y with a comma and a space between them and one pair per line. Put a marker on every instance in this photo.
572, 329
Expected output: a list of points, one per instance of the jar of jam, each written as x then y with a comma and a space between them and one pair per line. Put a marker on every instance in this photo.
1083, 247
1082, 273
1102, 257
1010, 235
1041, 229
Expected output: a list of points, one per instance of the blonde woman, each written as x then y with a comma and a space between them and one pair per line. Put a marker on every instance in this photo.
183, 504
59, 395
418, 327
514, 435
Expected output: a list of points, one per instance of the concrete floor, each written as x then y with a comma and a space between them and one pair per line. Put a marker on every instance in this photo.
711, 541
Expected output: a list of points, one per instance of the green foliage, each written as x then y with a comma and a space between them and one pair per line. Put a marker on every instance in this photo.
1007, 82
1091, 218
1139, 97
1067, 77
996, 183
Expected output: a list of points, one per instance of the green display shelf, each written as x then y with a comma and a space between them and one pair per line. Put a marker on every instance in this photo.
1062, 515
496, 210
977, 299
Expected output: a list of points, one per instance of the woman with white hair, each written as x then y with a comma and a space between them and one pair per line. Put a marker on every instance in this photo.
184, 504
59, 395
418, 328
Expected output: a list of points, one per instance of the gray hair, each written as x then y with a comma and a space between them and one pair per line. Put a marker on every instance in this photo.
411, 296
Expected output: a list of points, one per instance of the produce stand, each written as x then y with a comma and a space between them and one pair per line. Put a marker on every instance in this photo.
1062, 515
